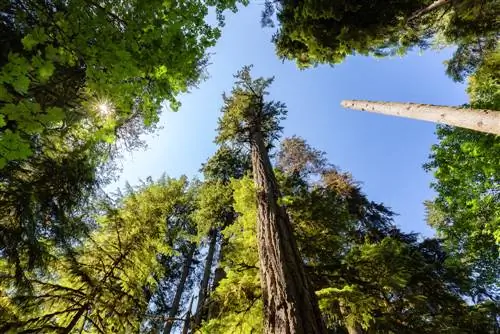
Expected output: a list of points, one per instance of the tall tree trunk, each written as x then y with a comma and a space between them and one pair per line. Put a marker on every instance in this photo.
202, 295
475, 119
219, 275
290, 305
180, 289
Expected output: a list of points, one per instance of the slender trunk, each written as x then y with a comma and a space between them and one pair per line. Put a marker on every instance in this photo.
75, 319
475, 119
219, 275
356, 329
180, 289
433, 6
202, 295
290, 305
187, 319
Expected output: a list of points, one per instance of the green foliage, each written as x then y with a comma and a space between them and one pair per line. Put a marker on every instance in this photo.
238, 296
132, 55
102, 284
79, 80
245, 113
40, 211
215, 206
466, 165
313, 32
228, 162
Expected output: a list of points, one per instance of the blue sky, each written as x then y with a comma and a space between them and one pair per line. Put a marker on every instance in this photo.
384, 153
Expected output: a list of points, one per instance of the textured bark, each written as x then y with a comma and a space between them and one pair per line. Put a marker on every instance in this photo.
180, 289
290, 305
475, 119
203, 293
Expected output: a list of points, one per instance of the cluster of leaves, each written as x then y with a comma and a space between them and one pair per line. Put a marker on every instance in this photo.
313, 32
79, 80
60, 59
466, 165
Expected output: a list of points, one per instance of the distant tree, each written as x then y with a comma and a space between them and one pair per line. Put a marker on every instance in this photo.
214, 213
289, 301
237, 297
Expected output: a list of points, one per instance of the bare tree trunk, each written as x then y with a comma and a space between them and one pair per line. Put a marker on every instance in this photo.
475, 119
433, 6
180, 289
290, 304
202, 295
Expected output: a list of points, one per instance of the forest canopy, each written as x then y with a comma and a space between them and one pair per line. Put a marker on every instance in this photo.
271, 236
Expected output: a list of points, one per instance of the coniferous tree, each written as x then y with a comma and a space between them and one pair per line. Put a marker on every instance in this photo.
369, 276
215, 212
103, 284
290, 305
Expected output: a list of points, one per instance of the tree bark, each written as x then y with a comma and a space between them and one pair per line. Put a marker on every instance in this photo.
482, 120
180, 289
202, 295
219, 275
290, 304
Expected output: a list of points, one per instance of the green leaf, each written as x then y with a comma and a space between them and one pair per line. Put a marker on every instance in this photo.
21, 84
46, 70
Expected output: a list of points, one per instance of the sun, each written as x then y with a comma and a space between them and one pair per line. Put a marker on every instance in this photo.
104, 107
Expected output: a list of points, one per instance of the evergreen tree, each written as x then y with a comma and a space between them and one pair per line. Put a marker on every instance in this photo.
215, 212
290, 304
103, 284
369, 276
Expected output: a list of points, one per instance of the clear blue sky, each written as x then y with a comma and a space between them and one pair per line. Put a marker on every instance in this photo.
384, 153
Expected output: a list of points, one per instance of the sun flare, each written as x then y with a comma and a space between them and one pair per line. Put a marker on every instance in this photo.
104, 107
